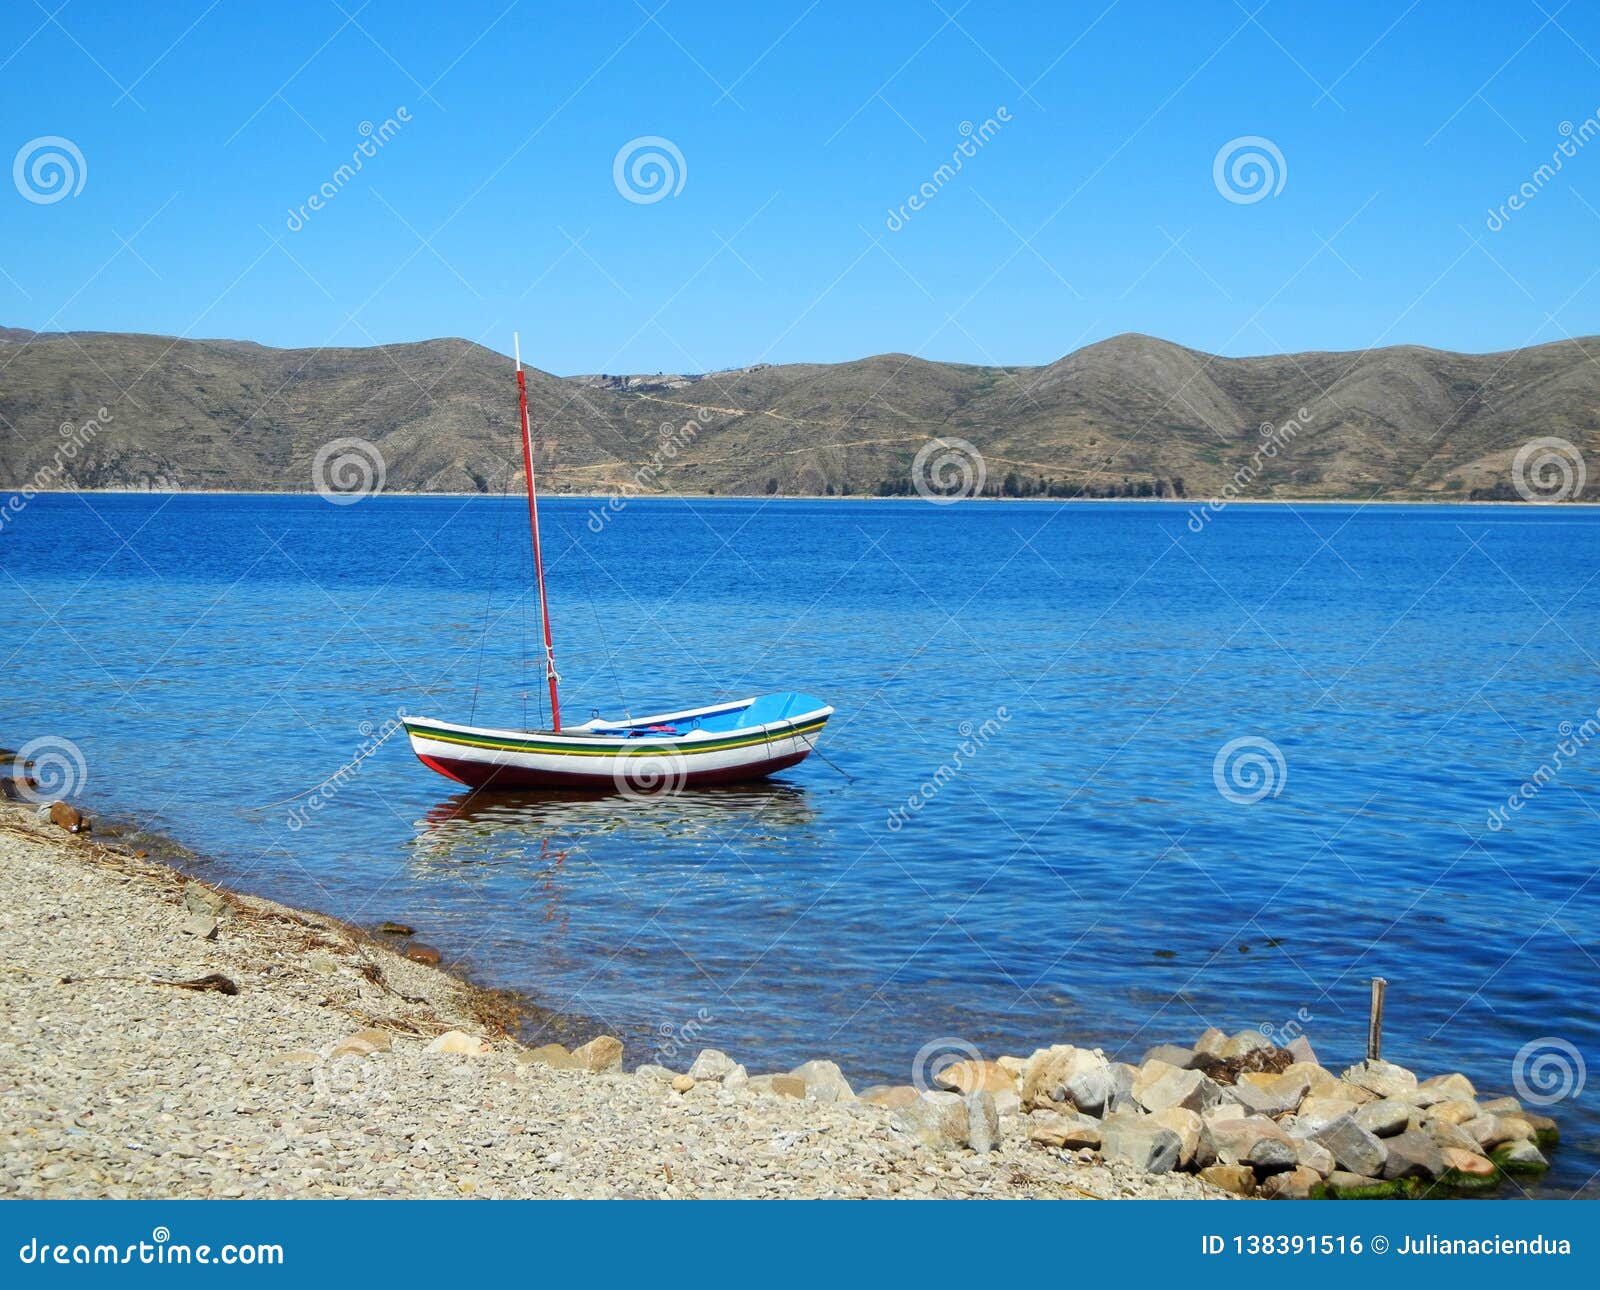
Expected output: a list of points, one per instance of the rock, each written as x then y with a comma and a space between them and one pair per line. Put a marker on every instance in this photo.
1172, 1054
1466, 1168
387, 928
1412, 1154
713, 1064
885, 1095
379, 1040
417, 952
201, 900
458, 1042
1301, 1050
1016, 1065
1344, 1185
1246, 1041
352, 1048
553, 1055
1545, 1132
1268, 1100
1384, 1118
1006, 1102
1313, 1155
824, 1082
1317, 1113
1139, 1142
1454, 1086
70, 818
1457, 1111
983, 1121
1489, 1131
1445, 1134
1195, 1149
200, 925
975, 1076
682, 1083
299, 1057
936, 1119
654, 1074
1293, 1083
1253, 1140
1065, 1073
1239, 1179
1070, 1129
1354, 1149
1291, 1184
602, 1053
1211, 1041
1501, 1106
1182, 1088
1520, 1157
1384, 1079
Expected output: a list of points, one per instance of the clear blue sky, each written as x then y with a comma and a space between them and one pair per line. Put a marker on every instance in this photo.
1092, 211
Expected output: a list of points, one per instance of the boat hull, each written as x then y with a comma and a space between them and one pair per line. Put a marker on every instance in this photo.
631, 759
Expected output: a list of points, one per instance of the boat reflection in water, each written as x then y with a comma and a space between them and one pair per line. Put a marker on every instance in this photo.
544, 842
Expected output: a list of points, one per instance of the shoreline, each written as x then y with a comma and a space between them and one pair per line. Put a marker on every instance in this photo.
1178, 502
332, 1065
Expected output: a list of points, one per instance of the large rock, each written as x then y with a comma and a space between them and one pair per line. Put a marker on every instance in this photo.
1501, 1106
1455, 1111
1195, 1149
1067, 1074
936, 1119
1354, 1149
976, 1076
1252, 1140
1454, 1086
1412, 1154
553, 1055
1344, 1185
602, 1053
1384, 1118
1301, 1050
983, 1121
1246, 1041
1291, 1184
1319, 1082
1139, 1142
1489, 1131
1172, 1054
202, 900
713, 1064
1174, 1087
1445, 1134
1382, 1079
1071, 1130
1313, 1155
1317, 1113
824, 1082
1269, 1100
1211, 1041
1462, 1164
1239, 1179
1520, 1157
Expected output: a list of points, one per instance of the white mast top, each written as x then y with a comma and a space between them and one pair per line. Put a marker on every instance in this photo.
516, 345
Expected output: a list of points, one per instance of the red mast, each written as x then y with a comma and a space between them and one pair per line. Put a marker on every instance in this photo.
533, 520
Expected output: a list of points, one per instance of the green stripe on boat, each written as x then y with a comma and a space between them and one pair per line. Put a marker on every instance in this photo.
641, 748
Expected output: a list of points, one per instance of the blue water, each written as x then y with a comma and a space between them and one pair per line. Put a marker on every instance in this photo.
1073, 873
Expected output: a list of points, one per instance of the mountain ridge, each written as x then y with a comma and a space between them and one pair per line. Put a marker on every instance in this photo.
1127, 415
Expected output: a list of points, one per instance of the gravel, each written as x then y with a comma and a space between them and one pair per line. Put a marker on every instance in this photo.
115, 1082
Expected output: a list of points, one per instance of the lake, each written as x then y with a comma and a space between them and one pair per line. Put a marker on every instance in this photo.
1094, 776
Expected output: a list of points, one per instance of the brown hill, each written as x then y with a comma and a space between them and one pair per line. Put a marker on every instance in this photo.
1129, 415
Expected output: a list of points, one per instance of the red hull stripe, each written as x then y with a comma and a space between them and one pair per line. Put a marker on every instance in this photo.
476, 774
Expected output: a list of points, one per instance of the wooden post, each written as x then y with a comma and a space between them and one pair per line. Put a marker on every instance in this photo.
1375, 1021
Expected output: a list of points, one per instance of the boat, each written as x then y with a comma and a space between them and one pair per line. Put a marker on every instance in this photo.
723, 743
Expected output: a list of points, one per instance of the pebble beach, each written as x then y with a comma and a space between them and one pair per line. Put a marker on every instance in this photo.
166, 1038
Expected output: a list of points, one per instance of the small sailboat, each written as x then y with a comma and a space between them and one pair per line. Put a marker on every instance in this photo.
720, 744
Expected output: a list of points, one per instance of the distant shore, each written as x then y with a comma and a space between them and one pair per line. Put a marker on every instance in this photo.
1179, 503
